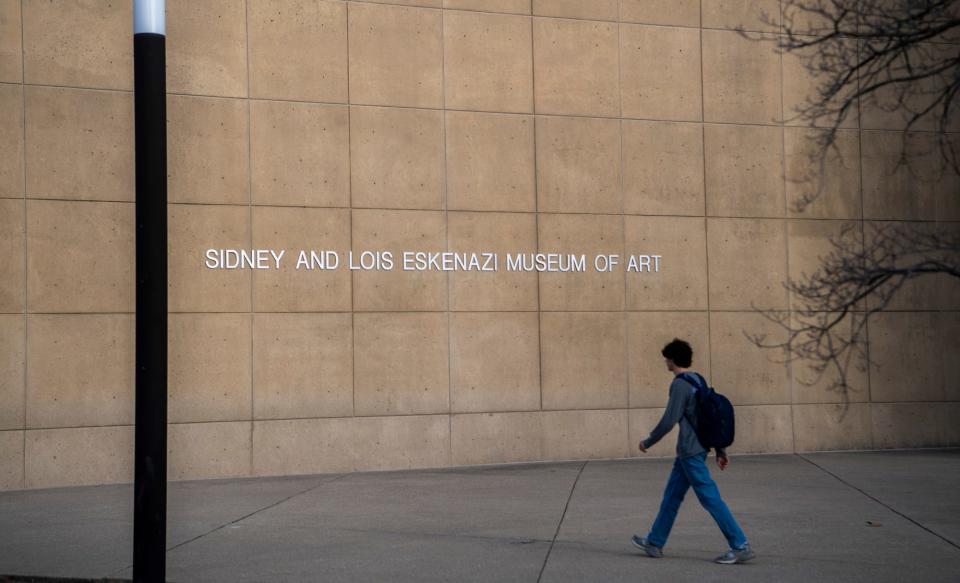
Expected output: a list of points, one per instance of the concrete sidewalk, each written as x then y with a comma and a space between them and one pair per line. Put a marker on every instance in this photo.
872, 516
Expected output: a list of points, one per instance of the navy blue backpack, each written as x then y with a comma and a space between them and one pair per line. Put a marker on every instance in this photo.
714, 426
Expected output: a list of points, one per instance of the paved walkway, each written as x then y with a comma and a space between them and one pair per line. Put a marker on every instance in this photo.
876, 516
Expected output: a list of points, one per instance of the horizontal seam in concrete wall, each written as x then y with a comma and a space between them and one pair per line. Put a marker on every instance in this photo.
619, 20
478, 111
472, 413
498, 311
35, 197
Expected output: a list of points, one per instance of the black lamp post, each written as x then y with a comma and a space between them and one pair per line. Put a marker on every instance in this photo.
150, 448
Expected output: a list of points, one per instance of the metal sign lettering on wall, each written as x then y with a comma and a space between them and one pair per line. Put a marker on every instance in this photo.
484, 261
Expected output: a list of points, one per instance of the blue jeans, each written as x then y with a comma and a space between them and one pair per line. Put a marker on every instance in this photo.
692, 471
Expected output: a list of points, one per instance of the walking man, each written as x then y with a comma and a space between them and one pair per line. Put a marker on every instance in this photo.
690, 468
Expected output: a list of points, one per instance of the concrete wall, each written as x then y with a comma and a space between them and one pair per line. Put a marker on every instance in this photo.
509, 125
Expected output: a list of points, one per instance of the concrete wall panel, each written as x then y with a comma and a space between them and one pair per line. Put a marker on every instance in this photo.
396, 56
752, 15
207, 150
905, 364
11, 460
906, 425
800, 84
78, 456
676, 12
681, 283
744, 171
207, 48
402, 363
80, 256
80, 370
298, 50
570, 435
578, 165
496, 438
814, 386
396, 158
587, 235
662, 168
398, 443
494, 362
922, 293
302, 365
508, 6
79, 144
576, 67
197, 451
740, 83
303, 446
300, 153
12, 256
832, 194
192, 231
12, 369
894, 188
295, 287
11, 43
307, 446
736, 247
660, 72
488, 62
398, 231
582, 356
422, 3
209, 368
593, 10
763, 429
826, 427
948, 325
78, 44
811, 241
490, 162
744, 372
11, 141
499, 233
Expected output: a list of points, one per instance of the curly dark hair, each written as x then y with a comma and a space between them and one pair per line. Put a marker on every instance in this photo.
679, 352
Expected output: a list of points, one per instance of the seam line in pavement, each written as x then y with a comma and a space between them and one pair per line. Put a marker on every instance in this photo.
560, 523
878, 501
246, 516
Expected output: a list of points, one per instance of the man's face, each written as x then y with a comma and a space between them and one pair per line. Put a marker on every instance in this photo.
670, 366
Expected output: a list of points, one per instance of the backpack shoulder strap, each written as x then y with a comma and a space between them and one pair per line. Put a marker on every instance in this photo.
703, 381
695, 382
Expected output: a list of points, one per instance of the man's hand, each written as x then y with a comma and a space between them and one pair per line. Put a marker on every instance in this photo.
722, 462
642, 449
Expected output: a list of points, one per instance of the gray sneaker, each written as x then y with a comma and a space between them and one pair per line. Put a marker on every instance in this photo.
734, 556
642, 543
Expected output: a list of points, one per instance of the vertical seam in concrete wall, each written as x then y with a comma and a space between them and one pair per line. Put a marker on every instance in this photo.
623, 228
246, 28
703, 176
863, 242
786, 237
536, 207
446, 228
26, 273
353, 319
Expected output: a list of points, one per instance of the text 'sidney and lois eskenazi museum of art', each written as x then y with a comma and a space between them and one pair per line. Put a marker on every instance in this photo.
464, 230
